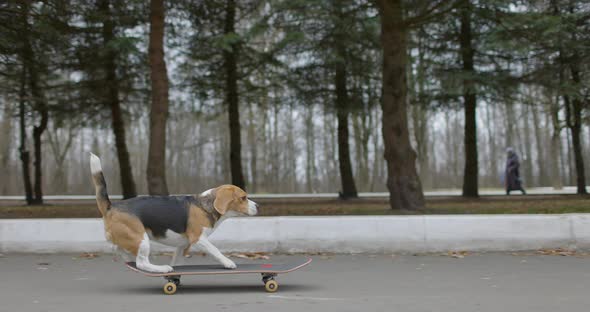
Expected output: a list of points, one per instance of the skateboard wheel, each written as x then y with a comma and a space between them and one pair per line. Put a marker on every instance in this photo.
271, 286
169, 288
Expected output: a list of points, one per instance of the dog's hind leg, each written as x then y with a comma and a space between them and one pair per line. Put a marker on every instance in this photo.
143, 261
120, 252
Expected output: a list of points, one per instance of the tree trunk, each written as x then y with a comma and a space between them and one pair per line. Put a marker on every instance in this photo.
405, 189
470, 175
362, 125
419, 112
510, 120
491, 130
253, 142
328, 148
5, 145
555, 152
275, 152
231, 89
38, 130
377, 159
527, 163
541, 163
156, 167
358, 146
310, 172
577, 144
23, 150
112, 98
265, 141
575, 126
569, 158
419, 119
342, 111
39, 105
291, 178
367, 129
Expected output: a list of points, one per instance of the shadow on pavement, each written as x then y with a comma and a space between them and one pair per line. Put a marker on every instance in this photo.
187, 288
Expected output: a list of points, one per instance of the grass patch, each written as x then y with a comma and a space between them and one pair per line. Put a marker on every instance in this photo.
533, 204
49, 211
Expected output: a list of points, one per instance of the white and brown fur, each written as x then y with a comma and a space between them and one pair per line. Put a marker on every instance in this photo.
178, 221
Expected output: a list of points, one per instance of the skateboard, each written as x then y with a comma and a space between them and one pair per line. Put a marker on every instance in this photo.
268, 271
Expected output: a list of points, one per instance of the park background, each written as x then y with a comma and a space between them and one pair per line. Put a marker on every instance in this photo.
408, 104
288, 96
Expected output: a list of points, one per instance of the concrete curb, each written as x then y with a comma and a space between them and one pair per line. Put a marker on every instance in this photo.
338, 234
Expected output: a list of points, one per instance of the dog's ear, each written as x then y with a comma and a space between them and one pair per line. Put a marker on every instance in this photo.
223, 196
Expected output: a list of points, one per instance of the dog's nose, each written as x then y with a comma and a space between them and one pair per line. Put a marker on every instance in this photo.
252, 208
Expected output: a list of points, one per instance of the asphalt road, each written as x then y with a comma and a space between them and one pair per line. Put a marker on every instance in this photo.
485, 282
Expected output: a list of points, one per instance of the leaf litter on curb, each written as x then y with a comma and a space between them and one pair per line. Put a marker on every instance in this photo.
251, 255
87, 256
457, 254
557, 252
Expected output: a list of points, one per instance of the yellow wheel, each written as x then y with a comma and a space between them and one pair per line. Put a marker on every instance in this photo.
169, 288
271, 286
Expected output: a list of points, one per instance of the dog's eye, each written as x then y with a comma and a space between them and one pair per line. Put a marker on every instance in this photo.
244, 198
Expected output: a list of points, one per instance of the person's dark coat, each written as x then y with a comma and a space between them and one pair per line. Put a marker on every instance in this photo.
512, 179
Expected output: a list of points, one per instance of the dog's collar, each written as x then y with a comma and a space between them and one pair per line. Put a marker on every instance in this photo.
207, 205
215, 216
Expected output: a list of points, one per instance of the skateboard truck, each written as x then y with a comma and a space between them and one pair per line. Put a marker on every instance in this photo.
173, 279
270, 285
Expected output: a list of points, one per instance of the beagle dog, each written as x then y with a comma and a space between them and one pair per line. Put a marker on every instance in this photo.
178, 221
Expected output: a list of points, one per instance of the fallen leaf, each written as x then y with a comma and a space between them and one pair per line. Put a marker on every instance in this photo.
88, 255
251, 255
557, 252
458, 254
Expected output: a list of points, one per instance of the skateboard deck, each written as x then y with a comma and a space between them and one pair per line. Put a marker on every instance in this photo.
267, 270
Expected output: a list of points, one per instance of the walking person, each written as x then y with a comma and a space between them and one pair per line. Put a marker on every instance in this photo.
512, 179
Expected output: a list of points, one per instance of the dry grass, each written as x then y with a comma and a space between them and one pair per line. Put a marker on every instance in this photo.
366, 206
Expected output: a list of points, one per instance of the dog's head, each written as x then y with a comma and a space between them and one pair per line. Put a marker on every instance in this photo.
230, 199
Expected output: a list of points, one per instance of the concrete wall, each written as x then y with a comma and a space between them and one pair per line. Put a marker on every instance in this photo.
339, 234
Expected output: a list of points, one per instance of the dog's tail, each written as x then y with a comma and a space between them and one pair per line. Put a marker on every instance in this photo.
102, 197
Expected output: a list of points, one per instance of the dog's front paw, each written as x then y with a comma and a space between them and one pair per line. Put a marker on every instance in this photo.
154, 268
228, 264
162, 269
